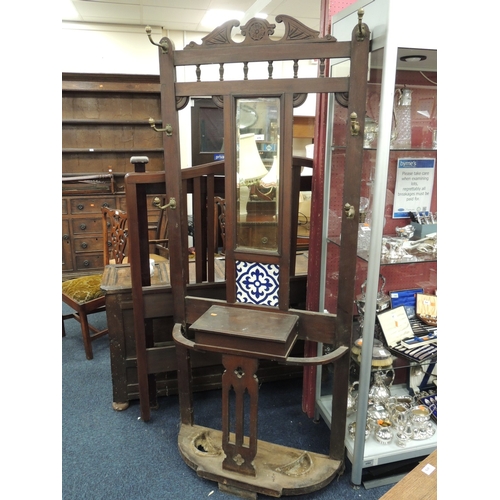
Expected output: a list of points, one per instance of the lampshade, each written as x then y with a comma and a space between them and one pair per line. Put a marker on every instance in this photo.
271, 179
250, 168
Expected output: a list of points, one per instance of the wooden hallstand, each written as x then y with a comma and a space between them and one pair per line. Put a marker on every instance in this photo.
256, 321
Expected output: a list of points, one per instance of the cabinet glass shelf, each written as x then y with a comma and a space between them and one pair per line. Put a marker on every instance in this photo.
414, 258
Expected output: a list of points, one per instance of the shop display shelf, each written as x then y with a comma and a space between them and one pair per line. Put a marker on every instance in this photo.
376, 453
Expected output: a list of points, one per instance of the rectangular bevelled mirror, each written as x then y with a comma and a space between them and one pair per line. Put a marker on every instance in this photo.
257, 161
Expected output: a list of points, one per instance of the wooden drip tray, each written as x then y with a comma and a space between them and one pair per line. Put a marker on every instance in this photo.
280, 470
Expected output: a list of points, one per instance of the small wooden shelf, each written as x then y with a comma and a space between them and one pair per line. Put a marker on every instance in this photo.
128, 152
98, 122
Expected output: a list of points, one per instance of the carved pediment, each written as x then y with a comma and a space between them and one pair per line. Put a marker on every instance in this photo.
259, 31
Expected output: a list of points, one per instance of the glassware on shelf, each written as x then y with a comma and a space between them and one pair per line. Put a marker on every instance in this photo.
399, 410
364, 231
352, 399
352, 430
397, 250
405, 232
384, 432
404, 434
420, 416
403, 119
379, 392
364, 235
385, 250
371, 131
356, 347
400, 414
375, 412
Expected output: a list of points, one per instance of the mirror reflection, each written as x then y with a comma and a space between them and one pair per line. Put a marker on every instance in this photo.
257, 172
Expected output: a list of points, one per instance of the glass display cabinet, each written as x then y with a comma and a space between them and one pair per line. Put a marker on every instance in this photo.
401, 126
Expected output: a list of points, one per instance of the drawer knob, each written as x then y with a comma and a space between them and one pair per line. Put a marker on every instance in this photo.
84, 245
83, 226
86, 263
80, 206
65, 237
265, 240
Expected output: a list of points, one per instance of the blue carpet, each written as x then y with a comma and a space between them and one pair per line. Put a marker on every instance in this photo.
114, 455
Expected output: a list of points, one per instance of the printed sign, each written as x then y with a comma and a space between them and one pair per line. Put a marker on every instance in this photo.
414, 184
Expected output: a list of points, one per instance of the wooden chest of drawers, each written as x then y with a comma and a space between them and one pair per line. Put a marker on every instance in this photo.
82, 238
82, 235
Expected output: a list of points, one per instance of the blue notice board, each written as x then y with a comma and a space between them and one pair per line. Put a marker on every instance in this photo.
414, 185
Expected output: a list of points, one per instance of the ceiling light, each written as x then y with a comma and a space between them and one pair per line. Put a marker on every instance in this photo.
413, 58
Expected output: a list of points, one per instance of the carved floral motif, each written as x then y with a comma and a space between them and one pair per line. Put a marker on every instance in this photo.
259, 31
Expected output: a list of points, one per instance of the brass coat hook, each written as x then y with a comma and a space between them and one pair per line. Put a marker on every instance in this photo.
171, 204
349, 210
163, 46
361, 28
354, 124
168, 129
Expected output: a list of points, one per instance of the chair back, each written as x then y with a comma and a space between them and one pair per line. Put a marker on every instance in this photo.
115, 235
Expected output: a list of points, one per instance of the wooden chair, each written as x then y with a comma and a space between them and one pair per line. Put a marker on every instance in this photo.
84, 294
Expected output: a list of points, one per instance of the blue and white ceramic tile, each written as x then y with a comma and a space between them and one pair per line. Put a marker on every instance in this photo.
257, 283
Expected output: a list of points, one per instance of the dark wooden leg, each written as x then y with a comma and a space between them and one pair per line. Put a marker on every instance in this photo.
240, 377
340, 389
153, 396
87, 342
184, 383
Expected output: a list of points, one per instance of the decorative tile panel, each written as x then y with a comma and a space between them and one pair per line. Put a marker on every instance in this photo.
257, 283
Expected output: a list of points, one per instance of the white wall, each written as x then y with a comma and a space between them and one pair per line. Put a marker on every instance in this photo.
126, 49
105, 48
